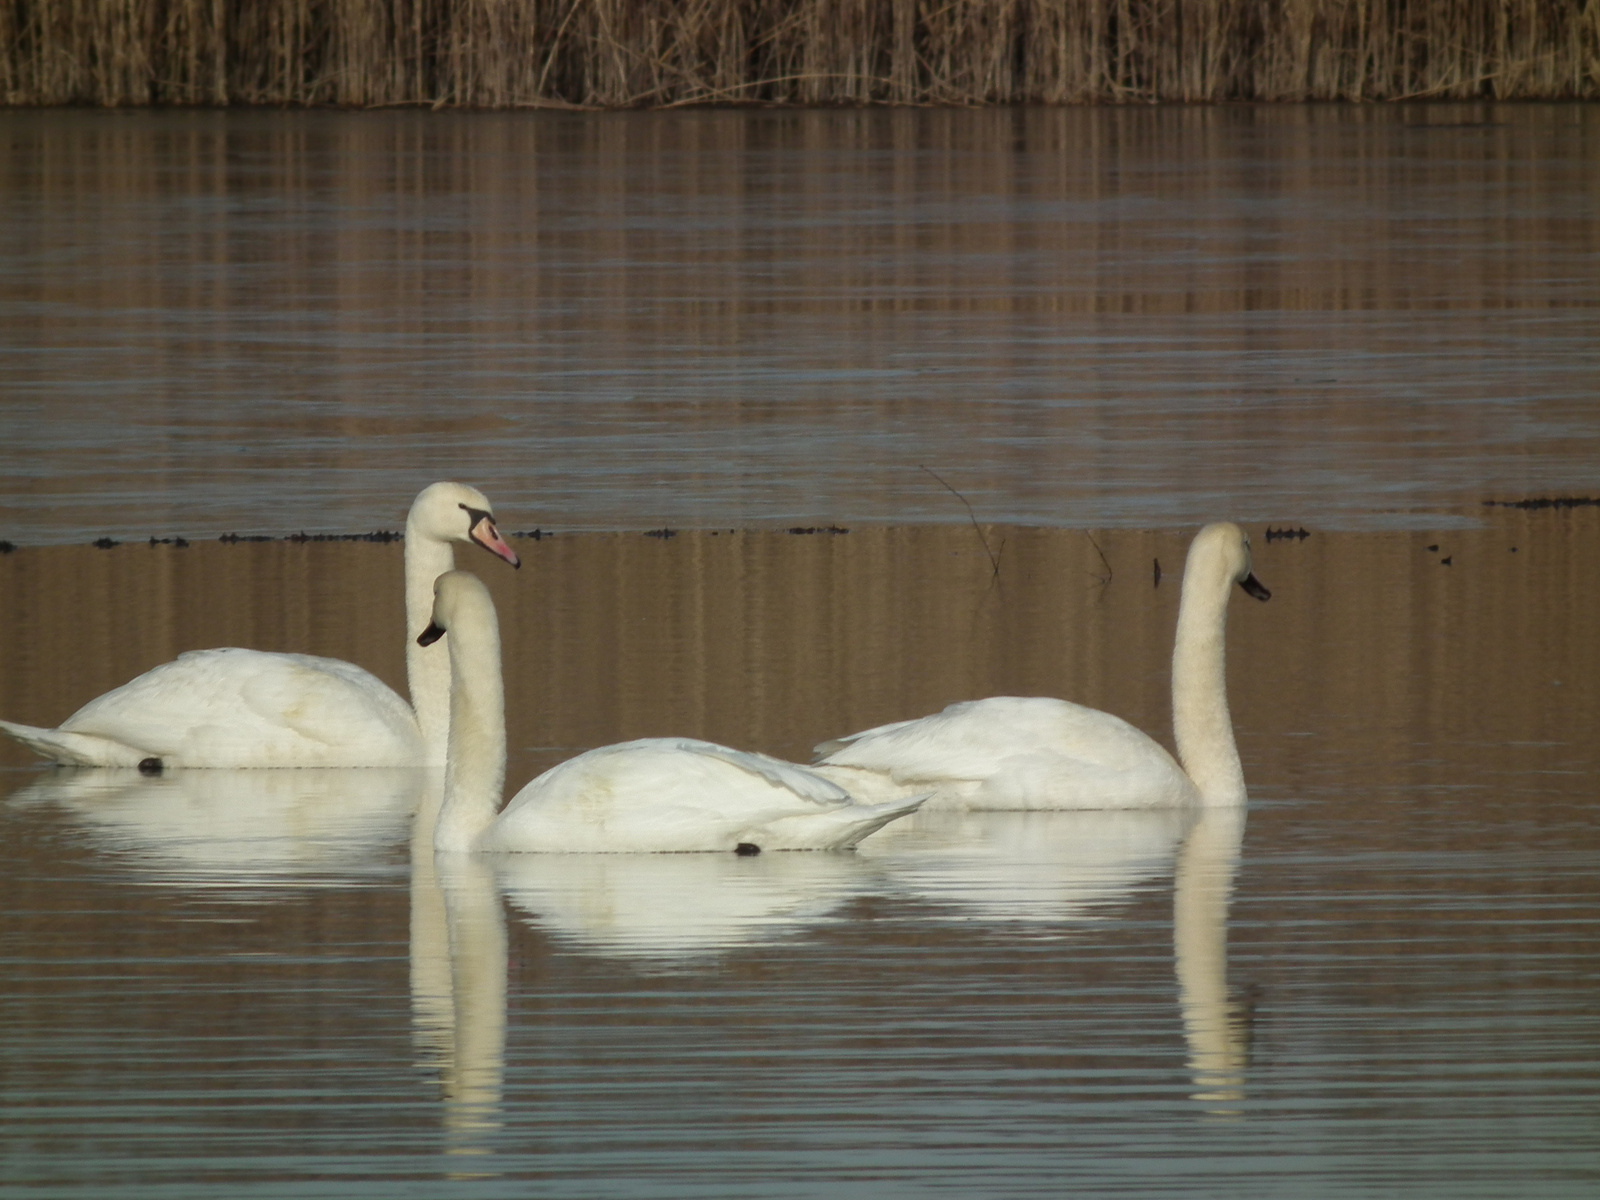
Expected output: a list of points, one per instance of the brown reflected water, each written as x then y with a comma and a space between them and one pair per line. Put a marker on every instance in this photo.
775, 640
1381, 978
1356, 317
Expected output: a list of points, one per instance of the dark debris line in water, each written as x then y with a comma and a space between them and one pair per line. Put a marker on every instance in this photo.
1272, 533
1546, 502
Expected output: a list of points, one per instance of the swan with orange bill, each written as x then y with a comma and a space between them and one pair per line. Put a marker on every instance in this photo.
251, 708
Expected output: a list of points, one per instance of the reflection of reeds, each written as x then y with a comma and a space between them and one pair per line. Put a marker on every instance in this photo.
618, 53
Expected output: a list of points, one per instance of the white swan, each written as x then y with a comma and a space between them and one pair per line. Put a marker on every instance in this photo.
250, 708
656, 794
1008, 752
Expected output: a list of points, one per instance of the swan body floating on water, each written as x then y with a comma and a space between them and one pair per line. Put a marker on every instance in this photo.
655, 794
1010, 752
251, 708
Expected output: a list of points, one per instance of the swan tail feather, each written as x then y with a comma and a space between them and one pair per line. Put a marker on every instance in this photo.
874, 817
841, 829
74, 749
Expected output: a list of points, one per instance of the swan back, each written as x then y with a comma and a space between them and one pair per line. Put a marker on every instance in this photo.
682, 794
248, 708
1202, 726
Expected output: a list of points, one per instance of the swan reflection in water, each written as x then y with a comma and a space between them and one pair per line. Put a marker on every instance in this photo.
652, 908
215, 828
1044, 866
1072, 866
237, 828
1049, 867
1215, 1027
458, 995
664, 907
657, 909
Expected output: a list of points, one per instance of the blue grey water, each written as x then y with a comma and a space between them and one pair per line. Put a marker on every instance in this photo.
268, 321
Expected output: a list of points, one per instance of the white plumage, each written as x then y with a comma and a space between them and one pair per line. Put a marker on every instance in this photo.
251, 708
656, 794
1011, 752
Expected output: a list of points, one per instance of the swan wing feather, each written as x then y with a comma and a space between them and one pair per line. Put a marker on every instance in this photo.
670, 794
1011, 752
248, 708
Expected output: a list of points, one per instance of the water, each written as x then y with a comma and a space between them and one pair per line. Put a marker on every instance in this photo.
1099, 325
268, 321
1380, 980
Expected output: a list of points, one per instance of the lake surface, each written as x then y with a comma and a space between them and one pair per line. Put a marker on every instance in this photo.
1145, 317
1380, 980
1345, 327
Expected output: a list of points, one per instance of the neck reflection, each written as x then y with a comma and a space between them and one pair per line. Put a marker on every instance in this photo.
1213, 1025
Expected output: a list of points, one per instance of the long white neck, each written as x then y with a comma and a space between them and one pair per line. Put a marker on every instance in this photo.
427, 667
475, 765
1201, 723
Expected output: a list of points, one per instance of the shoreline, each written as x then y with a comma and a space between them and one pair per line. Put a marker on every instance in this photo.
664, 53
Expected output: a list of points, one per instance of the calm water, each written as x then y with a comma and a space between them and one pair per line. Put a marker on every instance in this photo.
1381, 980
267, 321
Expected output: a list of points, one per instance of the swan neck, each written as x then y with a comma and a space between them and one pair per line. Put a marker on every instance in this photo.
1202, 727
427, 667
475, 762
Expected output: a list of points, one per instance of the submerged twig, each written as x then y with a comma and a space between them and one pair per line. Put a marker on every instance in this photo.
1106, 578
994, 560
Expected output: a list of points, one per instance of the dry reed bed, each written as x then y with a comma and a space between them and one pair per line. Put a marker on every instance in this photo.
621, 53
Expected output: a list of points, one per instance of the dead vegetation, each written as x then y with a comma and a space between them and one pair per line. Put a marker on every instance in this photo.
640, 53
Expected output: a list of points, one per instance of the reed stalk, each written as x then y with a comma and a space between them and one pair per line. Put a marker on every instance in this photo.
642, 53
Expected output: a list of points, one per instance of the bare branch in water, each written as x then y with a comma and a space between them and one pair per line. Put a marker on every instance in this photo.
994, 560
1106, 578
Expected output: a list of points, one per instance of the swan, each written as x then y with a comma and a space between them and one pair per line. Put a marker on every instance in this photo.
1009, 752
655, 794
251, 708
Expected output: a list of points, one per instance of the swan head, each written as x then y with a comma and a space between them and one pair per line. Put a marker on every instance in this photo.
454, 512
455, 594
1222, 552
